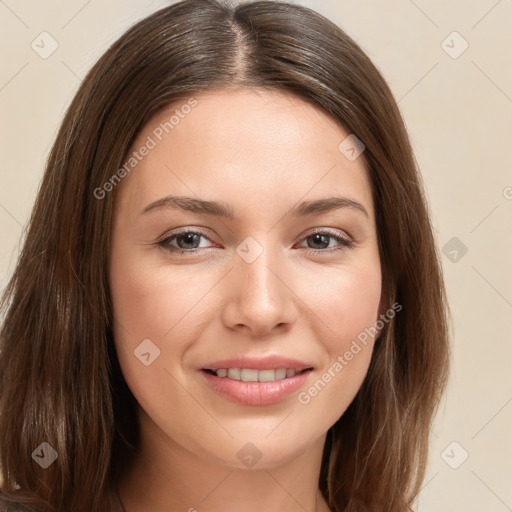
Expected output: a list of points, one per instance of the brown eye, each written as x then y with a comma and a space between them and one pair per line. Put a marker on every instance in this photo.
183, 241
321, 240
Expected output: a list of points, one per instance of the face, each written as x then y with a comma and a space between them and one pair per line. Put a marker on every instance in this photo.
230, 254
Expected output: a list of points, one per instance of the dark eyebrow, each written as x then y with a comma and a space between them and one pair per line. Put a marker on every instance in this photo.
192, 204
326, 205
221, 209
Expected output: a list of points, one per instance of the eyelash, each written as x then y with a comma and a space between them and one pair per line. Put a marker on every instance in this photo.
165, 243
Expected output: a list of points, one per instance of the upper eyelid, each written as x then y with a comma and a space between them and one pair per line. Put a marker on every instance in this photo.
184, 231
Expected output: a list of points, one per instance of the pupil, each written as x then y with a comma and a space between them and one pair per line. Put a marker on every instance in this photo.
189, 238
320, 239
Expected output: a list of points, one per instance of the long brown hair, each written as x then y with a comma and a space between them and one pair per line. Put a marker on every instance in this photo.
60, 380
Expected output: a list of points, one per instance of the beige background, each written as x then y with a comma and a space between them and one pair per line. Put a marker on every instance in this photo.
458, 111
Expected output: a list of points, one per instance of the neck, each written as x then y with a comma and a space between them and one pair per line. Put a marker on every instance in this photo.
165, 476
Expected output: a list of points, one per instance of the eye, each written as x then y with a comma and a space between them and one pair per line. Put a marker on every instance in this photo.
322, 240
189, 240
186, 241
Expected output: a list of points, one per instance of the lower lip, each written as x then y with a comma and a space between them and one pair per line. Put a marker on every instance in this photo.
255, 393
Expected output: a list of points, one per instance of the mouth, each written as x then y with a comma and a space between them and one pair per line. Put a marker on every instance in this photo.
248, 386
252, 375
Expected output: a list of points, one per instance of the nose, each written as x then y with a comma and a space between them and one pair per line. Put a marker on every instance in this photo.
260, 298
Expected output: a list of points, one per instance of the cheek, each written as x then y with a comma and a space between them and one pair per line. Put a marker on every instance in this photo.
352, 305
165, 305
151, 301
154, 303
345, 301
347, 309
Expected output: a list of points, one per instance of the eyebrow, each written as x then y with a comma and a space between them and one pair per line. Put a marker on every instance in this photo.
221, 209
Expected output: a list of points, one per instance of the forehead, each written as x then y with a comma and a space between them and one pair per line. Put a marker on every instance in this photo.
262, 145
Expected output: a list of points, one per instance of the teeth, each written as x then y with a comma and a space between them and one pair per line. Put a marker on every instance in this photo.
281, 373
267, 375
250, 375
234, 373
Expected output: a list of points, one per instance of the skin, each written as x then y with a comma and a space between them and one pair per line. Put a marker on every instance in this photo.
262, 152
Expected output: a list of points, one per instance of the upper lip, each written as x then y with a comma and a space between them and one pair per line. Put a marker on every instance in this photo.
258, 363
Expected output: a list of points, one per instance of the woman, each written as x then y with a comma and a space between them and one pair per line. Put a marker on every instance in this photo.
292, 357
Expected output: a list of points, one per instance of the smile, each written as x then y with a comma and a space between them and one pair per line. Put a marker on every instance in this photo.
247, 386
251, 375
